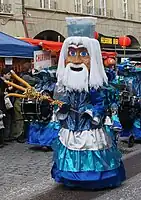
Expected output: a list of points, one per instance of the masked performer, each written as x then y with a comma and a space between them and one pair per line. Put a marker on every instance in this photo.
42, 132
85, 154
130, 107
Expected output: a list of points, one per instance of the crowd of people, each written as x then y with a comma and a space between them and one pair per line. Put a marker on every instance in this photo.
12, 124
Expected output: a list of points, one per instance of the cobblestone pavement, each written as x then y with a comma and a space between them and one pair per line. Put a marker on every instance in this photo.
23, 169
20, 165
129, 191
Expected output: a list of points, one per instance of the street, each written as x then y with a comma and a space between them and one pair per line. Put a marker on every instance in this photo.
25, 174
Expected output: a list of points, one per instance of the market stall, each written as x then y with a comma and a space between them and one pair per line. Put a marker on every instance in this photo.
15, 52
46, 45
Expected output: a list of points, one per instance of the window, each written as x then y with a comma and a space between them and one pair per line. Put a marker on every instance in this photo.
103, 7
5, 6
49, 4
78, 6
125, 9
44, 3
91, 7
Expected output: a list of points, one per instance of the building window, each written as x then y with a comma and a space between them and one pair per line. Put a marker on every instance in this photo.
45, 3
91, 7
125, 9
102, 7
78, 6
48, 4
5, 6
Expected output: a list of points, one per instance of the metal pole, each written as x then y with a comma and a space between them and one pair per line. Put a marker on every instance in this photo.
24, 19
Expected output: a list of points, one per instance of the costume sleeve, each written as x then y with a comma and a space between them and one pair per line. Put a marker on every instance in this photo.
64, 97
95, 110
98, 99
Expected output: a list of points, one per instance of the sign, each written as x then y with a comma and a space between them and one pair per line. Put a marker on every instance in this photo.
124, 60
108, 40
42, 59
8, 61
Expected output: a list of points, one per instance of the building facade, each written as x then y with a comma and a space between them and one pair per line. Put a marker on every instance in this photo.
45, 19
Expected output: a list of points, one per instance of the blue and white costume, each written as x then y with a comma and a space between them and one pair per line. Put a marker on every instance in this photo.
85, 153
132, 79
42, 133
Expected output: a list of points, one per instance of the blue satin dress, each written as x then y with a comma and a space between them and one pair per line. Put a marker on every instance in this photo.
42, 133
87, 168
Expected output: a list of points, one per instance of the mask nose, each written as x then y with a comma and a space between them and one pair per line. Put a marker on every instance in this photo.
77, 60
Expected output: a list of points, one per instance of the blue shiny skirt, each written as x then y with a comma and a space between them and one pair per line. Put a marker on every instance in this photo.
90, 180
42, 134
87, 169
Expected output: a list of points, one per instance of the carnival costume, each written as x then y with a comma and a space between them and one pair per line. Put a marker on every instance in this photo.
85, 153
42, 132
130, 116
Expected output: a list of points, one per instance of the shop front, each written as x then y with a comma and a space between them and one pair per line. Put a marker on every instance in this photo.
112, 44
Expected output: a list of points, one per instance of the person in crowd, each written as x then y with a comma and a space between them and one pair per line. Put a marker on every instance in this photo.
9, 112
19, 128
27, 74
41, 132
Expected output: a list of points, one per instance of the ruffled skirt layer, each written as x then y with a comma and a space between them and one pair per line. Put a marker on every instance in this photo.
87, 169
42, 134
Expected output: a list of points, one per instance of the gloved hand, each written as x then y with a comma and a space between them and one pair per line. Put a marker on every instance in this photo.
86, 115
65, 108
96, 121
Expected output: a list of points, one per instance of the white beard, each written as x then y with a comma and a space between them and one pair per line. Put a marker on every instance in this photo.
76, 80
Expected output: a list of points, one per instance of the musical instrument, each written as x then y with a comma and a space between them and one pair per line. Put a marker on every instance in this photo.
30, 92
35, 110
35, 106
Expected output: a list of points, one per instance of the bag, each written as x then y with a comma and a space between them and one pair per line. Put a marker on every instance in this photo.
8, 103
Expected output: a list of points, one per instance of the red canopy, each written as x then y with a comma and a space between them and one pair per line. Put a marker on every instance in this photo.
46, 45
56, 46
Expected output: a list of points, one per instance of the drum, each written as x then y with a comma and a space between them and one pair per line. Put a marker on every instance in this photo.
35, 110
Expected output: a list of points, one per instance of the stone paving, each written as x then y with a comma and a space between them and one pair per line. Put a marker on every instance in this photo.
20, 165
131, 190
23, 169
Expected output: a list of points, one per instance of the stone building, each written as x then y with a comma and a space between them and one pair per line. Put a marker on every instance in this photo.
45, 19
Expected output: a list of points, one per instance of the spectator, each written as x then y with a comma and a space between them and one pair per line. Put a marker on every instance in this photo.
19, 129
8, 112
27, 74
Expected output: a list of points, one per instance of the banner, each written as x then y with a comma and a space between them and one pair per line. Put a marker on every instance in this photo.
42, 59
8, 61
